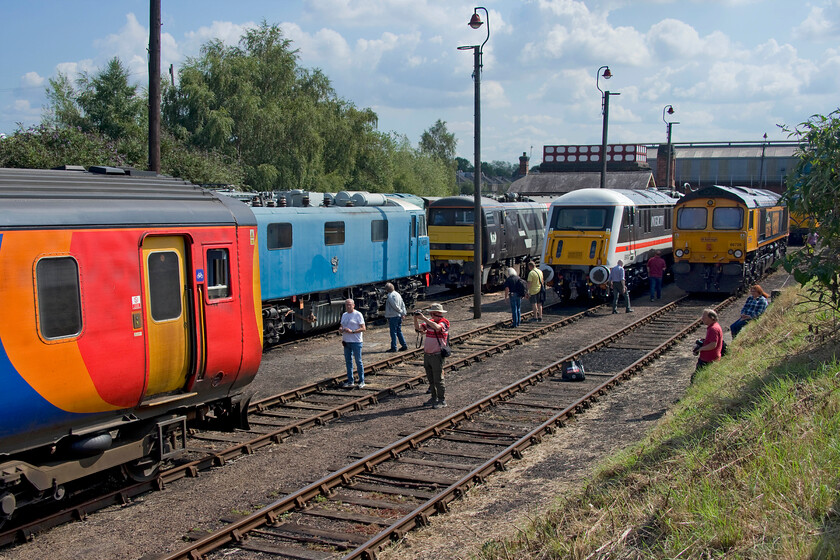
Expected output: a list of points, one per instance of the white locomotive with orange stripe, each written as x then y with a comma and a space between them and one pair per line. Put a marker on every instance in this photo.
590, 230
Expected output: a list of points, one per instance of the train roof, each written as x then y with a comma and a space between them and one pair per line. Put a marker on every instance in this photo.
110, 197
612, 197
752, 198
486, 203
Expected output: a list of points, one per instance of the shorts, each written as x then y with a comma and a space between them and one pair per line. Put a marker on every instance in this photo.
536, 298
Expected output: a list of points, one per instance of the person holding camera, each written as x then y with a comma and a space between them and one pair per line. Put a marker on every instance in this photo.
710, 349
436, 329
351, 329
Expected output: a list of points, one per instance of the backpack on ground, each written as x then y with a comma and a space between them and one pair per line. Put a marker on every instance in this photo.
573, 371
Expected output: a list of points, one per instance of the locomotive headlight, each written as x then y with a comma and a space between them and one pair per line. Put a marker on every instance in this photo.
679, 252
738, 253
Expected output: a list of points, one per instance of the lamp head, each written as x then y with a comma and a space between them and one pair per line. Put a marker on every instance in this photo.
670, 110
475, 21
607, 74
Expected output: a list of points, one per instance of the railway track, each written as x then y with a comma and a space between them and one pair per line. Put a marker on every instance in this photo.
290, 413
357, 510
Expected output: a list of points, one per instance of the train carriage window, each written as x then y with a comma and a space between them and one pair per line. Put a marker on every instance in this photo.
218, 274
490, 219
165, 285
379, 230
668, 212
691, 218
334, 233
59, 298
422, 226
752, 220
279, 236
728, 218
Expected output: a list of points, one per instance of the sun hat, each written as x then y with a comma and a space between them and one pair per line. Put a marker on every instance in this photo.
436, 308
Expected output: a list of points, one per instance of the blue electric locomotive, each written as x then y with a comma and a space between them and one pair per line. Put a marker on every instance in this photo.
313, 258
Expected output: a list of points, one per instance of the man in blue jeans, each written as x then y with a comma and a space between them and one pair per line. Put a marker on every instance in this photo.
351, 329
394, 312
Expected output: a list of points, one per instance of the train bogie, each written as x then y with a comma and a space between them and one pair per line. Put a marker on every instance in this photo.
116, 332
590, 230
726, 238
512, 235
313, 258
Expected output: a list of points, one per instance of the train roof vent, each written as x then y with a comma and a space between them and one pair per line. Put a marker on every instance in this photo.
69, 168
105, 170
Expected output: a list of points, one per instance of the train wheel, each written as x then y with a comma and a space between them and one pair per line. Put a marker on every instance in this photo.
142, 470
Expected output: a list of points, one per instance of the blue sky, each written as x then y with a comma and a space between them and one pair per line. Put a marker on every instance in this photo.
732, 69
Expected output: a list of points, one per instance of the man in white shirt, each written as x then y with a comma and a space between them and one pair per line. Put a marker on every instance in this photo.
351, 329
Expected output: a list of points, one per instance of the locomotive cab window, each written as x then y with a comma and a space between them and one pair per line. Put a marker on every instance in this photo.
165, 285
334, 233
691, 218
421, 225
451, 216
728, 218
59, 298
379, 230
578, 217
218, 274
279, 236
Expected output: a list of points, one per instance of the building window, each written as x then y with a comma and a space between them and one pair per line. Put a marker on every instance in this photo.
334, 233
218, 274
59, 298
279, 236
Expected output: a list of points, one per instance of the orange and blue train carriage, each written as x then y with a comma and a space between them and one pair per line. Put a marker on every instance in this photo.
590, 230
726, 238
130, 306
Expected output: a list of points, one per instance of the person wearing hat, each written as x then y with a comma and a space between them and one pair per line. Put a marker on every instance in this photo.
436, 329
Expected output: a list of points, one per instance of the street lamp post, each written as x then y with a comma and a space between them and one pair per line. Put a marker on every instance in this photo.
475, 23
670, 110
605, 97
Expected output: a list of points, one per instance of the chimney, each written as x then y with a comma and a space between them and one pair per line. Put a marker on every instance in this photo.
523, 164
662, 166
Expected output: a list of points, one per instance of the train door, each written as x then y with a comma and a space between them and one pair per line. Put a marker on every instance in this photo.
167, 313
412, 246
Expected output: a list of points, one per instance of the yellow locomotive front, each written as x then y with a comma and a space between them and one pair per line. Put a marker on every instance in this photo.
726, 238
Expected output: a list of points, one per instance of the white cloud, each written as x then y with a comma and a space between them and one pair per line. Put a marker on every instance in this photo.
31, 79
822, 22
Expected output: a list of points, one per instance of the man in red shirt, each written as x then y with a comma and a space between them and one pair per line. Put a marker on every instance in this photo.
656, 270
436, 329
712, 346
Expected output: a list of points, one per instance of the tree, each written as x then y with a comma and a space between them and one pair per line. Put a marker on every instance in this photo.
814, 190
110, 104
464, 164
438, 142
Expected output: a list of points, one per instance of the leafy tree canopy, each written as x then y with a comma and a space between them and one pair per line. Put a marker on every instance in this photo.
814, 190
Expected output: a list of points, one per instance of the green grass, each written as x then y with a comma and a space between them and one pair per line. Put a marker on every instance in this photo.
746, 465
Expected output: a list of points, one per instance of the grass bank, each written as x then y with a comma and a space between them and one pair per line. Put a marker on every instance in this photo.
746, 465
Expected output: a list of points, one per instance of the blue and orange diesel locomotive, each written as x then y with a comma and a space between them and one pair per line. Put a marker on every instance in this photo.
131, 306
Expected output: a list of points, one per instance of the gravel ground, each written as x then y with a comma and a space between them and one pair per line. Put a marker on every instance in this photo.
159, 522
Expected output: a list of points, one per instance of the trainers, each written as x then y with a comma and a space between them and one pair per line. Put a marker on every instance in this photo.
403, 349
614, 311
347, 385
628, 311
390, 350
440, 404
361, 385
430, 402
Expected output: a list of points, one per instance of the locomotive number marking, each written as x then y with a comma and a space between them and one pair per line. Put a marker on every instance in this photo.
657, 221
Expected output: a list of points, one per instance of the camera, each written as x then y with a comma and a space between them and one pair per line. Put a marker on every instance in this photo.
418, 312
697, 344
